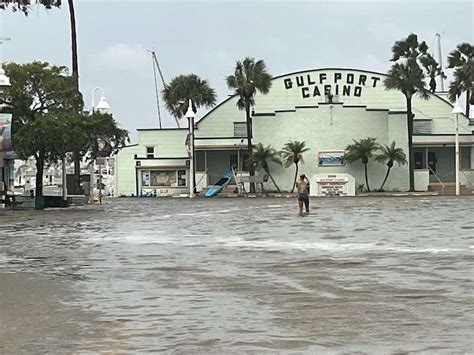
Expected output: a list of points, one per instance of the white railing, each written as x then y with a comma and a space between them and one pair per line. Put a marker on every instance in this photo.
437, 178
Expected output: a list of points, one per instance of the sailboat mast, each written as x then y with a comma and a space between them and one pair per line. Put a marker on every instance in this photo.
157, 93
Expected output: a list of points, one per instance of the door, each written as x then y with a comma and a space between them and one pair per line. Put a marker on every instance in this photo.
419, 160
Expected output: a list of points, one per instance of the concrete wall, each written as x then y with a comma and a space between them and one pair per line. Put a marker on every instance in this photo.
332, 128
125, 171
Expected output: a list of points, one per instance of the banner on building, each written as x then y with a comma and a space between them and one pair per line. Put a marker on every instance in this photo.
5, 132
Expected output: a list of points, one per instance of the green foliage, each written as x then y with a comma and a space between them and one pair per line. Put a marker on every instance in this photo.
24, 6
184, 87
104, 136
432, 70
389, 155
409, 48
249, 77
362, 150
292, 153
261, 157
462, 60
38, 88
407, 76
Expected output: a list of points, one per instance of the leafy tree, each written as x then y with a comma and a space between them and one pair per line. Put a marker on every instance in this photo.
362, 150
184, 87
432, 70
462, 60
24, 6
38, 95
389, 155
292, 153
261, 157
407, 76
104, 135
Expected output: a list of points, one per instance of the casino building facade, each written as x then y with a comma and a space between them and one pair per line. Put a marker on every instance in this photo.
298, 108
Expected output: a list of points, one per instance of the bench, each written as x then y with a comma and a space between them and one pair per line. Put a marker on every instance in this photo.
257, 180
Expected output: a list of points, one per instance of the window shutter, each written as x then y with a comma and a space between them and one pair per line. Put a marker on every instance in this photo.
240, 129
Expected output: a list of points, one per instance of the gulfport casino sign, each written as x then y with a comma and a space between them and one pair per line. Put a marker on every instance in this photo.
336, 83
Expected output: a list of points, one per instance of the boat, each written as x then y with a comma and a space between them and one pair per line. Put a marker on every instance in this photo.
219, 185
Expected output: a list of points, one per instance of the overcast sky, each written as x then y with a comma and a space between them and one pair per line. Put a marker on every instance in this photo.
207, 37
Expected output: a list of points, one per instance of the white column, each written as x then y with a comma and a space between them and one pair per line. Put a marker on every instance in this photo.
191, 163
457, 154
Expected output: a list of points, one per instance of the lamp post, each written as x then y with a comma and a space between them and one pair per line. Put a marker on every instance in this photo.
102, 107
457, 110
190, 115
4, 83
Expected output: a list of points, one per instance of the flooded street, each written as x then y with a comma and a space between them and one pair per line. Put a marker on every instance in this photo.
239, 275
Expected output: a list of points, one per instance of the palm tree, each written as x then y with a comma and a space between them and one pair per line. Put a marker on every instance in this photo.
292, 153
249, 77
362, 150
177, 93
261, 157
407, 76
462, 60
390, 154
432, 70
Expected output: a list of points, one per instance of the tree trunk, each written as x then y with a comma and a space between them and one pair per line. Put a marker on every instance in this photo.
385, 180
366, 177
468, 102
75, 64
39, 180
249, 142
75, 74
296, 176
271, 177
411, 160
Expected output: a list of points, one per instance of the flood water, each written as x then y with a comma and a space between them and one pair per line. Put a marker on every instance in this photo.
234, 276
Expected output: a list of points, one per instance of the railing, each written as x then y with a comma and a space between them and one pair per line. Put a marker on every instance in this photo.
437, 178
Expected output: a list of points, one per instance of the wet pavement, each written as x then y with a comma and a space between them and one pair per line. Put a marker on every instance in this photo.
366, 275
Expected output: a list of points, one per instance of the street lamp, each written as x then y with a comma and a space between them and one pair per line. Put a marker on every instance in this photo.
190, 115
103, 106
457, 110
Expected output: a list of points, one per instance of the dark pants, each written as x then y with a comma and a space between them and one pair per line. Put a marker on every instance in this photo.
303, 199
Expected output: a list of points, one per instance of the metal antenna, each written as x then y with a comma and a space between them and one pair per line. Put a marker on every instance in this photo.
440, 60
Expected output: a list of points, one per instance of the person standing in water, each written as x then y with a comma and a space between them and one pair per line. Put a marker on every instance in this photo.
303, 193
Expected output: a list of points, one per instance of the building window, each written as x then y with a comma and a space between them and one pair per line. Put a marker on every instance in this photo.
150, 152
334, 158
465, 158
163, 178
240, 129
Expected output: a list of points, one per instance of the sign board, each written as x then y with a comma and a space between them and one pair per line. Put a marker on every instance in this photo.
5, 132
327, 185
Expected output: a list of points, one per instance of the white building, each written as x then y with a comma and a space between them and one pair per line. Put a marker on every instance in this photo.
296, 108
